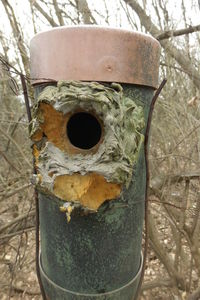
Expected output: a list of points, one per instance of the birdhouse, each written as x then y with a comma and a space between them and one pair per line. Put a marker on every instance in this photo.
93, 90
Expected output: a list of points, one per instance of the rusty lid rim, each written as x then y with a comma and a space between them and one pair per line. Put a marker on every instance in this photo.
94, 53
94, 27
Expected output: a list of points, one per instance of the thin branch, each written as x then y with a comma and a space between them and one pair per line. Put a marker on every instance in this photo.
17, 33
164, 257
185, 137
182, 222
166, 203
146, 152
129, 17
12, 234
196, 219
173, 33
17, 146
58, 13
25, 291
195, 295
17, 220
149, 285
83, 8
15, 128
67, 16
179, 55
9, 162
33, 17
45, 14
21, 188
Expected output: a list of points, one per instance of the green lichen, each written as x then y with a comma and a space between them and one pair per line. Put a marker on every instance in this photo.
123, 123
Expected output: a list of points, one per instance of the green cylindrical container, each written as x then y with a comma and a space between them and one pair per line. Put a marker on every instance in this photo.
93, 90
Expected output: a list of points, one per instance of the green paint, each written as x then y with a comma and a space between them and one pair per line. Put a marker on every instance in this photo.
100, 251
123, 121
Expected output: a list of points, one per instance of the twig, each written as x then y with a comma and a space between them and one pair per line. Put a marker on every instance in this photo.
37, 246
26, 97
17, 146
156, 283
195, 220
179, 69
8, 195
7, 65
178, 54
45, 14
172, 155
10, 235
146, 144
25, 291
14, 128
172, 33
58, 13
182, 222
17, 220
17, 257
83, 8
11, 69
13, 122
164, 257
195, 295
21, 290
9, 162
166, 203
185, 137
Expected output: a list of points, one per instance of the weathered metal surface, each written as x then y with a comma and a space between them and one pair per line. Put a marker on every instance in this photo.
96, 253
59, 293
94, 53
93, 255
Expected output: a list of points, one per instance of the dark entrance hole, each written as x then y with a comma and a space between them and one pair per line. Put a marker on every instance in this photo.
84, 130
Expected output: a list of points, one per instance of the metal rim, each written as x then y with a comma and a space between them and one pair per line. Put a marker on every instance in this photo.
94, 53
90, 295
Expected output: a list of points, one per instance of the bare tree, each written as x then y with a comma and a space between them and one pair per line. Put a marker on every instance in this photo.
173, 262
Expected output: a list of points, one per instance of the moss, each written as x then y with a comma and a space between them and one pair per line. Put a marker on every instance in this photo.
123, 124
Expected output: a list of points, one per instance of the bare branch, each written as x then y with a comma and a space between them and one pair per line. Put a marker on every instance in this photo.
8, 195
83, 8
195, 295
156, 283
45, 15
180, 56
18, 232
25, 291
33, 16
154, 236
58, 13
17, 220
9, 162
17, 146
17, 34
172, 33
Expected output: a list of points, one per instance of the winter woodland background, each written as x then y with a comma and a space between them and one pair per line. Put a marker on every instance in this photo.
173, 262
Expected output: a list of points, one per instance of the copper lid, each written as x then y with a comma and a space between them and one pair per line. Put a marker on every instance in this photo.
94, 53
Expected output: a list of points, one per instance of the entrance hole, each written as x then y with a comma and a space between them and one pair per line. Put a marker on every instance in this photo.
84, 130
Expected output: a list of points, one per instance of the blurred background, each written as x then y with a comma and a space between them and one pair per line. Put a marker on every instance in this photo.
173, 262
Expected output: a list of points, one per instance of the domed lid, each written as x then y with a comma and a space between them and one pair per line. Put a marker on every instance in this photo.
94, 53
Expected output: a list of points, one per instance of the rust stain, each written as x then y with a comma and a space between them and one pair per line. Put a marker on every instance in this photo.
37, 136
90, 190
36, 154
105, 54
